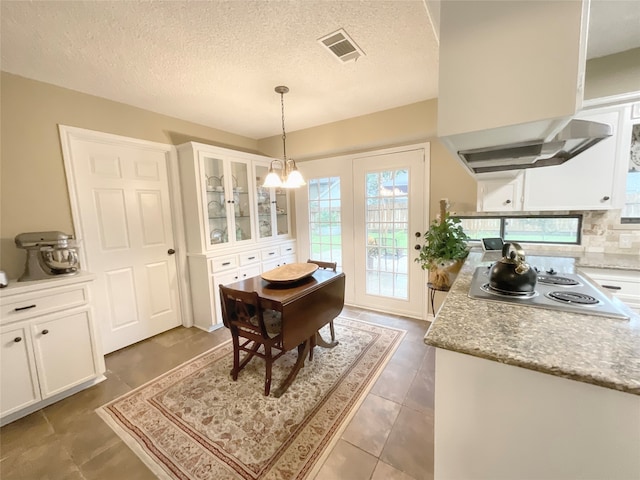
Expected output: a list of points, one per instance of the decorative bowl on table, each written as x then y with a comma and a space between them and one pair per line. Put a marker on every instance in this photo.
290, 273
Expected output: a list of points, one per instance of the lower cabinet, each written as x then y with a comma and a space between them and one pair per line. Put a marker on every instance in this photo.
18, 377
227, 277
208, 273
63, 350
48, 349
623, 284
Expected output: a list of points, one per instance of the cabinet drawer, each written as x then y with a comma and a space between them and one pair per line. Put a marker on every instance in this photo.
622, 282
288, 249
219, 264
28, 305
249, 258
270, 253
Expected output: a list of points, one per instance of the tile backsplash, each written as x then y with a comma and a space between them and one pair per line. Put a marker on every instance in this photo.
601, 233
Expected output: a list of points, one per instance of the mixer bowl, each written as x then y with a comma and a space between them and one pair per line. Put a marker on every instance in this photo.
61, 259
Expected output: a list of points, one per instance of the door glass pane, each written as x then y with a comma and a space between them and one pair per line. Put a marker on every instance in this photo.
265, 228
387, 220
216, 202
325, 232
282, 214
240, 196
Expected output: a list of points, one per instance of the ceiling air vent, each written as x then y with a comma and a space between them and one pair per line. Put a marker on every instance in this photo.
342, 46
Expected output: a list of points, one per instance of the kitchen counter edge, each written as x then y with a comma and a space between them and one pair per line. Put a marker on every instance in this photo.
596, 350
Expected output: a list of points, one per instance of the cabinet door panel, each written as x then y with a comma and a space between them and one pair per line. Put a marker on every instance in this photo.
18, 378
64, 354
584, 182
500, 194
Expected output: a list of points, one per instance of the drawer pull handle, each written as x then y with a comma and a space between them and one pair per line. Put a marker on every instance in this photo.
226, 263
17, 309
289, 249
272, 253
252, 258
17, 339
45, 331
612, 287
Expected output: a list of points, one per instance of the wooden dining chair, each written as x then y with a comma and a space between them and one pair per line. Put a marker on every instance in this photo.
327, 266
251, 327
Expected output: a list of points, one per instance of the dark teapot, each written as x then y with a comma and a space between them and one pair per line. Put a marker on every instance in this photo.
512, 274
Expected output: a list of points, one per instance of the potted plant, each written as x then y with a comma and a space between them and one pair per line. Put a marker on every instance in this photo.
444, 249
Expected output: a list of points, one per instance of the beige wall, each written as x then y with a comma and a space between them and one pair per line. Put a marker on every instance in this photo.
613, 75
398, 126
33, 190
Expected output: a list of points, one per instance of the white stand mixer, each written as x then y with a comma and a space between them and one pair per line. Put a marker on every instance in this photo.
48, 254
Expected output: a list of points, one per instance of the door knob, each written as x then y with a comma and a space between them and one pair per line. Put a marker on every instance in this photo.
418, 234
508, 201
605, 198
171, 251
45, 331
417, 247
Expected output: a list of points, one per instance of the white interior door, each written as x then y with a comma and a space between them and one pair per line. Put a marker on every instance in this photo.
125, 226
388, 210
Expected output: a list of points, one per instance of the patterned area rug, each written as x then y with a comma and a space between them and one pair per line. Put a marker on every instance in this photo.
194, 422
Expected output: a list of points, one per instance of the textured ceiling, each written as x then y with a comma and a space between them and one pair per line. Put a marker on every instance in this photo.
217, 62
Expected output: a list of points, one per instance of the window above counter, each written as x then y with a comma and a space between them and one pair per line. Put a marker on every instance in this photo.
557, 229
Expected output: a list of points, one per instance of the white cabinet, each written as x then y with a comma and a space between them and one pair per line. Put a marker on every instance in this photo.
49, 349
623, 284
496, 69
18, 377
279, 256
218, 189
500, 193
64, 351
589, 181
586, 182
230, 221
230, 276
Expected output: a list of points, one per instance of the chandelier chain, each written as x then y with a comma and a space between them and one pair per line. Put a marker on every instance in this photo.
284, 135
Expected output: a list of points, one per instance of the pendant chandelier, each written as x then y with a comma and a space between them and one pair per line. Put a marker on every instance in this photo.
289, 177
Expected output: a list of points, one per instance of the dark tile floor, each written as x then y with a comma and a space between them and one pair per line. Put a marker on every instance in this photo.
389, 438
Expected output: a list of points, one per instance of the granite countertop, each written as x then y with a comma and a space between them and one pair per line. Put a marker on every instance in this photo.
597, 350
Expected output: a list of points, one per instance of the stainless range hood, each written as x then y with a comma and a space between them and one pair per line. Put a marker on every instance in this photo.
574, 138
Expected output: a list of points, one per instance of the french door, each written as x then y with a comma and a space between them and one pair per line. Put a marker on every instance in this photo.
363, 212
389, 208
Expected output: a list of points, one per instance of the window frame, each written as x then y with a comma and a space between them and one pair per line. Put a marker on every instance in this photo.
634, 122
504, 218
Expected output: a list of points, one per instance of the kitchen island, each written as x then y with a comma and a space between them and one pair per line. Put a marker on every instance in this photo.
524, 392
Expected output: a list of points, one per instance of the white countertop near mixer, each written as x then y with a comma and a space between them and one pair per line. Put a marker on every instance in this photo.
15, 287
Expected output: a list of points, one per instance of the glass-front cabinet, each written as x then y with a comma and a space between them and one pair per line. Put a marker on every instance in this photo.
272, 206
224, 203
234, 229
228, 199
